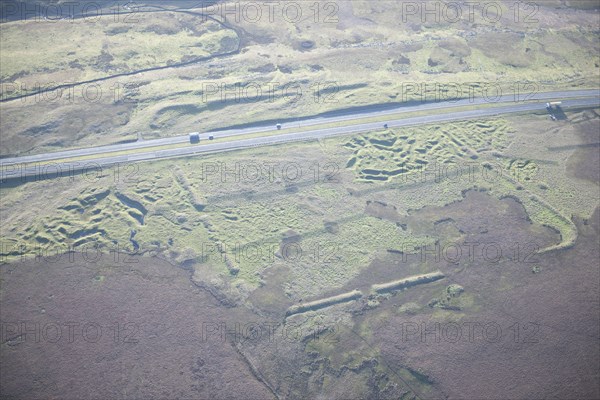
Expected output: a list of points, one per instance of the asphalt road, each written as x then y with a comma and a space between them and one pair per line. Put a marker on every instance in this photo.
13, 169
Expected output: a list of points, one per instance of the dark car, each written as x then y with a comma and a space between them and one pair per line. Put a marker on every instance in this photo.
194, 138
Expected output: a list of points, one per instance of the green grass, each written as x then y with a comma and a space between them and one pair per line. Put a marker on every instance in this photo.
186, 210
370, 67
88, 49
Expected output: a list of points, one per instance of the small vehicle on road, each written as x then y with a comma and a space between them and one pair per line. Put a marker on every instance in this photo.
553, 104
278, 126
211, 137
385, 126
194, 138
